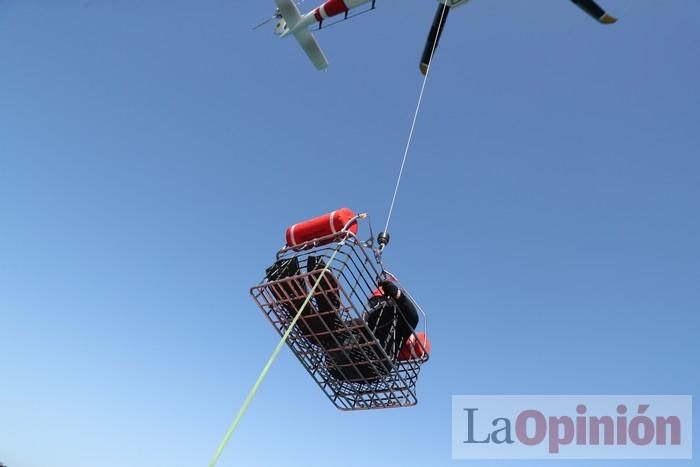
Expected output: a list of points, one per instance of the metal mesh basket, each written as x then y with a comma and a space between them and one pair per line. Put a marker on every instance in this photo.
352, 358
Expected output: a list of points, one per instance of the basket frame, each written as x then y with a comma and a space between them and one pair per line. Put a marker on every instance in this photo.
352, 277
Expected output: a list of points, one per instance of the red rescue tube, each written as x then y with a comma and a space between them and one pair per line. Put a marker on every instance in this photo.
321, 226
416, 347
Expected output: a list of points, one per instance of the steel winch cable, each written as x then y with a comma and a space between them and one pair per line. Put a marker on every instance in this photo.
413, 123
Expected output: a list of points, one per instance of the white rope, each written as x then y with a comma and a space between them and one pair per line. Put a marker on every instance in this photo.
413, 124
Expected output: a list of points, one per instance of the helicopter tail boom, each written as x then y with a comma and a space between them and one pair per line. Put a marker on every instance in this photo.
292, 22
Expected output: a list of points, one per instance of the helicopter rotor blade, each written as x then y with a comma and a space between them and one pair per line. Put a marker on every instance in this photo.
434, 36
276, 15
593, 9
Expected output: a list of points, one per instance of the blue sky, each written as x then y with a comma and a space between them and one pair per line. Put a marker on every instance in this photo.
152, 154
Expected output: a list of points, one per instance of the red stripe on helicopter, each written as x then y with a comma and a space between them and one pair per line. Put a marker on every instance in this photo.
330, 8
335, 7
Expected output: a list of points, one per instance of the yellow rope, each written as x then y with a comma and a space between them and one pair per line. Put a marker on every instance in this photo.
270, 361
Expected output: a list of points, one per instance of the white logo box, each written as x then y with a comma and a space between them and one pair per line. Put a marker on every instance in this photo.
572, 427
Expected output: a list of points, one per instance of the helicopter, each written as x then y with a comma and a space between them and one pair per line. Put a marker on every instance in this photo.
290, 22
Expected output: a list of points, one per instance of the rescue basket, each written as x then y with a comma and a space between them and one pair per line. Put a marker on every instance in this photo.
357, 342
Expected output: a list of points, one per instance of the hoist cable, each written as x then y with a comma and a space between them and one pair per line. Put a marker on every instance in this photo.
413, 123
